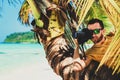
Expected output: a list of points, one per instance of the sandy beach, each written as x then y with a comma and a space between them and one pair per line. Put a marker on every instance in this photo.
24, 62
35, 71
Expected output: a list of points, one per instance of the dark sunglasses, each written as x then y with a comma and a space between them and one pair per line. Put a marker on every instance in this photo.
96, 31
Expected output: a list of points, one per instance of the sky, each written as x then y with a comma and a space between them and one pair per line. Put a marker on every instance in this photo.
9, 22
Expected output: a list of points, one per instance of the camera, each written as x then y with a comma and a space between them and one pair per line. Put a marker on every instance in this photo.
83, 35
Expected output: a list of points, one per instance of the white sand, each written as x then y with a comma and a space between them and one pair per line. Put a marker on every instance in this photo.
35, 71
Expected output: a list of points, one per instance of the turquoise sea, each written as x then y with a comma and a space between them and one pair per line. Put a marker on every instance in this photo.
15, 55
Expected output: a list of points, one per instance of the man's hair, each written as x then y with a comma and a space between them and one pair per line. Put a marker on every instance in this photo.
92, 21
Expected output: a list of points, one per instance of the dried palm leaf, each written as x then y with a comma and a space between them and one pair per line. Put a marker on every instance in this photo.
42, 5
24, 12
84, 8
112, 56
35, 12
27, 8
113, 12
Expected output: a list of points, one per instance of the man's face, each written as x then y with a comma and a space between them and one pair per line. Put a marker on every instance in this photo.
98, 36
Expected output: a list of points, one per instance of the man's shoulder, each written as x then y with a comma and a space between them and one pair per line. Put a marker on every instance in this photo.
109, 38
110, 34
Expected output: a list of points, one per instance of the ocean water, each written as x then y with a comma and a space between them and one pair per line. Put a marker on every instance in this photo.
15, 55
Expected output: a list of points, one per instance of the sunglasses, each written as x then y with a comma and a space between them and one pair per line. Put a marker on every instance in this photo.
96, 31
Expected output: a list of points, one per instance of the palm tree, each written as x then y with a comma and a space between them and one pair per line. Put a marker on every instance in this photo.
84, 10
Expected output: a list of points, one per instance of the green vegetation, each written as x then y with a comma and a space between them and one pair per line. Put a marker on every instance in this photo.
21, 37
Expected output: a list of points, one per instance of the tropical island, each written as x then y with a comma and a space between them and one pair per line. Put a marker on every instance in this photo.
21, 37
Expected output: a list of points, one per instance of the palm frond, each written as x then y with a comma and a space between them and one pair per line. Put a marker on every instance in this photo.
115, 5
113, 12
34, 8
42, 5
14, 2
29, 7
24, 12
81, 11
68, 35
113, 53
36, 12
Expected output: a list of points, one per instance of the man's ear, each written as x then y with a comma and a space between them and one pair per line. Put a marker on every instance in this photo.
103, 31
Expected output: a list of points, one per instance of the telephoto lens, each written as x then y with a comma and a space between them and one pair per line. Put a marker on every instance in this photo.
84, 35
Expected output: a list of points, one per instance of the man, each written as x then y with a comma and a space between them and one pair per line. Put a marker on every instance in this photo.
101, 42
97, 51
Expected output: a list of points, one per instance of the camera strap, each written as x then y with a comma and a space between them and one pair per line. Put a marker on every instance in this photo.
82, 56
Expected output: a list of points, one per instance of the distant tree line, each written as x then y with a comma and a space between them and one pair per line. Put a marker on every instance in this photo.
21, 37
